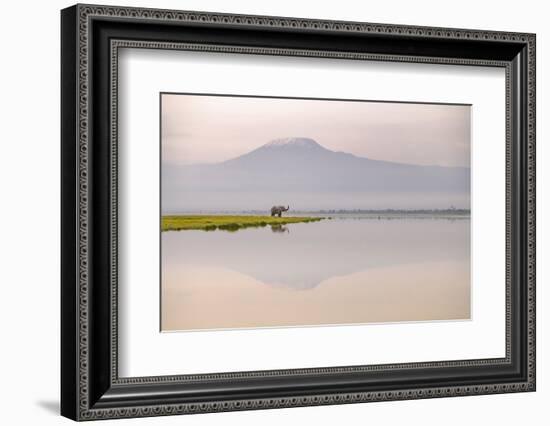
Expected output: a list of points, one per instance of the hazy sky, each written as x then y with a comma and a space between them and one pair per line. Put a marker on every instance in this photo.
210, 129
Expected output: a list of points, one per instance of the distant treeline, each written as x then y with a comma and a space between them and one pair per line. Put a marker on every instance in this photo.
401, 212
397, 211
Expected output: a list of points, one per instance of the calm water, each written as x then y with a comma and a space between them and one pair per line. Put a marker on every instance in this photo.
346, 270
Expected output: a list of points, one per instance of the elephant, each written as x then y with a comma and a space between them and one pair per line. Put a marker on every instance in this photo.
278, 210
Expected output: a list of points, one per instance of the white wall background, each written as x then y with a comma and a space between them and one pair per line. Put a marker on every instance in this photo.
29, 222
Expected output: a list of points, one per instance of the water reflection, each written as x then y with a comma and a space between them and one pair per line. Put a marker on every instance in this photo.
279, 229
333, 271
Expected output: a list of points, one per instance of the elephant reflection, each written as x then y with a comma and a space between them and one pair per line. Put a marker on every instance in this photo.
279, 229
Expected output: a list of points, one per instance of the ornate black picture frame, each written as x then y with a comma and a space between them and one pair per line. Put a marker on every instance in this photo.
91, 387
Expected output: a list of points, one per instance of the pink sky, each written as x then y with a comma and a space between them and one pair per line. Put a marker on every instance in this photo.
210, 129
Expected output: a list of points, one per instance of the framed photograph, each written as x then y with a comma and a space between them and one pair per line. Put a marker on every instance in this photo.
263, 212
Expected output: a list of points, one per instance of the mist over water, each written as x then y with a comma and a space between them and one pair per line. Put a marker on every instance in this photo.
215, 202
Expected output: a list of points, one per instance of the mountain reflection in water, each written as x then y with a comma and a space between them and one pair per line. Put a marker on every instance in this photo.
404, 269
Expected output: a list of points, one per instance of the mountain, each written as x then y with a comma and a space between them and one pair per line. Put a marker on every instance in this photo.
300, 165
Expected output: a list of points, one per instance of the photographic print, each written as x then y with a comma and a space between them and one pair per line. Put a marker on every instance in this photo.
279, 212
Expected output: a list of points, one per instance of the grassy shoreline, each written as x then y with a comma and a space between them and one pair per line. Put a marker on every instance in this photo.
227, 223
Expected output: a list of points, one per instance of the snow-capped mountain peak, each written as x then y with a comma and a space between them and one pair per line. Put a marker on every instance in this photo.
300, 142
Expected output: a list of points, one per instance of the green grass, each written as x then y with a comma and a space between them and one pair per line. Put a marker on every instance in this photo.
227, 223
